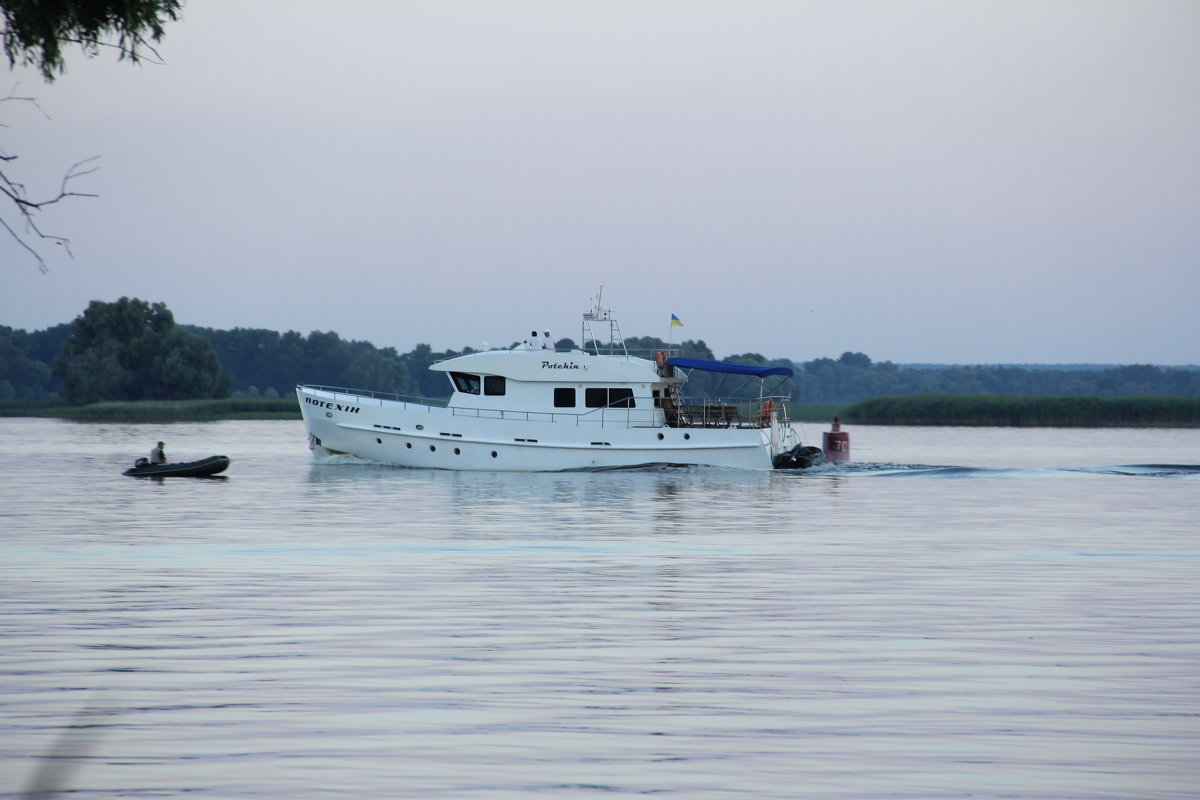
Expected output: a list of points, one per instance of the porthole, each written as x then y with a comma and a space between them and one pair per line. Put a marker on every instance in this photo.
432, 449
687, 436
660, 437
420, 427
494, 454
380, 441
408, 445
457, 452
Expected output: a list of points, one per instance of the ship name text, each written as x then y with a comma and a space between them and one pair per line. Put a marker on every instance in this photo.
332, 406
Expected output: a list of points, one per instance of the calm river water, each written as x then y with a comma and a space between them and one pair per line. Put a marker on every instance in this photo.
970, 612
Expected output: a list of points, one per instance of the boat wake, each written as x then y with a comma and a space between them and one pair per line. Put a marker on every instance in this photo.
934, 471
862, 469
326, 457
1147, 470
654, 466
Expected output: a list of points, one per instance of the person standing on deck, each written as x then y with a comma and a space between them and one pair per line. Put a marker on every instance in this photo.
548, 343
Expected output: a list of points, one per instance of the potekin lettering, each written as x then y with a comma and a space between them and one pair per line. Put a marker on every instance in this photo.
332, 406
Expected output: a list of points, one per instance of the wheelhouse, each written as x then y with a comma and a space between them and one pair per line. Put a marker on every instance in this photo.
557, 386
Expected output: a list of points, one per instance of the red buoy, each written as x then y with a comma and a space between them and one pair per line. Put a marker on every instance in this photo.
836, 443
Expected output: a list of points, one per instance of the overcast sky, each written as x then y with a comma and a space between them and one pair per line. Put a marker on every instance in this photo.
955, 182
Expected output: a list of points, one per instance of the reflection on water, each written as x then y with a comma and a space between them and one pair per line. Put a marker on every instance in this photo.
1020, 625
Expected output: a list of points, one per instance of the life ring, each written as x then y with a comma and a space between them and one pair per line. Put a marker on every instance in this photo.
768, 408
660, 358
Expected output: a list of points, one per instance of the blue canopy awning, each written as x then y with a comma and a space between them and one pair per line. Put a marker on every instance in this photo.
725, 366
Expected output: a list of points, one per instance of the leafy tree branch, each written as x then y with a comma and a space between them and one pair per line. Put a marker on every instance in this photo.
35, 31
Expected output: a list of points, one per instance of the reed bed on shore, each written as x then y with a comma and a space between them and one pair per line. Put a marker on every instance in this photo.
158, 410
816, 412
1027, 412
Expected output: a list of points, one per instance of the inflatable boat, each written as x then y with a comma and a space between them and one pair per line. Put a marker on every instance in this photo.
203, 468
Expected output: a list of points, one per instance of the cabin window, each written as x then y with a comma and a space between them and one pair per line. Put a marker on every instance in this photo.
564, 397
493, 384
601, 397
620, 398
467, 384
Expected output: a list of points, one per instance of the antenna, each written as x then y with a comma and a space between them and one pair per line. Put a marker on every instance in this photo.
598, 312
602, 314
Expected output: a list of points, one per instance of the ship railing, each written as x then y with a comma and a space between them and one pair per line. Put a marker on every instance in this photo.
648, 353
360, 395
599, 418
611, 416
709, 412
700, 413
716, 412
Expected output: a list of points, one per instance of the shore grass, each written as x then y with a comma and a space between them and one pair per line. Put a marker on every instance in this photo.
242, 408
1027, 412
816, 412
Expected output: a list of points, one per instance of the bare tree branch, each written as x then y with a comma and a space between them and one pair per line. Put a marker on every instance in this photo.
35, 33
24, 228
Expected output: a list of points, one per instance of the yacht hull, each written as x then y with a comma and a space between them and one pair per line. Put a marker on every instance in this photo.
416, 435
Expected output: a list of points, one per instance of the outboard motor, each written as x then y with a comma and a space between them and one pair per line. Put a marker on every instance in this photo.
799, 457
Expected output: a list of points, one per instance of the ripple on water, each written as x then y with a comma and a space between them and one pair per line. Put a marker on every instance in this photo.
310, 631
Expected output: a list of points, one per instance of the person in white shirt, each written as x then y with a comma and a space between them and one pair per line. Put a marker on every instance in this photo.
548, 343
157, 456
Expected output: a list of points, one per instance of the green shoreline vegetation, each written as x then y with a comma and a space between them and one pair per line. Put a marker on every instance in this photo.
239, 408
130, 361
1027, 412
816, 412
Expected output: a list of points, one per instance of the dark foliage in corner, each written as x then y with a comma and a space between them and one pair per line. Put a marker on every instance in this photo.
35, 31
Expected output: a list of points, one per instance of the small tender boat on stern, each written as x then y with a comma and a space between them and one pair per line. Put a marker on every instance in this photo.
529, 409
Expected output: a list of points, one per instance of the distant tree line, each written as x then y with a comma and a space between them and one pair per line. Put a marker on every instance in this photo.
127, 350
271, 364
134, 350
854, 377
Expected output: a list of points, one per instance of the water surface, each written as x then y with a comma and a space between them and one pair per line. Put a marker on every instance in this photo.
959, 613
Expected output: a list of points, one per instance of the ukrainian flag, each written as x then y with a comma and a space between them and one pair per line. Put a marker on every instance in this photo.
676, 321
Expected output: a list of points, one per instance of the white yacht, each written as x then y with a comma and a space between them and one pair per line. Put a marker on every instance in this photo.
529, 409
